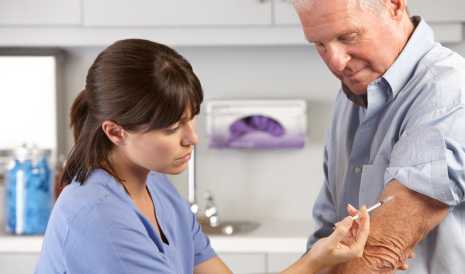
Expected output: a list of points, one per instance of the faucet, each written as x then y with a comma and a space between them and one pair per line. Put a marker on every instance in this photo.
211, 211
210, 215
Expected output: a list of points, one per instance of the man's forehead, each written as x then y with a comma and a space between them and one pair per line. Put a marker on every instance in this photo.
330, 28
324, 5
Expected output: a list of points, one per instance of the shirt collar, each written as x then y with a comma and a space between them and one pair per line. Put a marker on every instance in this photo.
420, 42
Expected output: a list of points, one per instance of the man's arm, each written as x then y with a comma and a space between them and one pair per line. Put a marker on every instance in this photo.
396, 228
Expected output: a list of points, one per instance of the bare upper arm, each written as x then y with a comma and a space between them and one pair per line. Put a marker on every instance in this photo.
212, 266
396, 228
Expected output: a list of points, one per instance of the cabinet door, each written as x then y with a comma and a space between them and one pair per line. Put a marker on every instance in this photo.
245, 263
285, 14
279, 261
438, 11
43, 12
18, 263
176, 12
431, 10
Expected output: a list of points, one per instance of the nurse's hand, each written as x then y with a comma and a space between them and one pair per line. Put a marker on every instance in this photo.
345, 243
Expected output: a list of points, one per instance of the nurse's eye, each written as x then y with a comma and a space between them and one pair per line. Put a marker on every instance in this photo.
173, 129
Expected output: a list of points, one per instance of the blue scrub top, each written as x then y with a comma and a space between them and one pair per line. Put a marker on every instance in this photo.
96, 228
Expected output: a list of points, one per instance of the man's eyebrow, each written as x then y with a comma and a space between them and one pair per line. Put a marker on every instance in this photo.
342, 33
349, 32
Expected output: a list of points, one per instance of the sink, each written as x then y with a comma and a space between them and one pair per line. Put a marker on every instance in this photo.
228, 228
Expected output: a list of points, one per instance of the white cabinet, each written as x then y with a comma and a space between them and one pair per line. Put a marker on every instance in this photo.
245, 263
431, 10
439, 11
14, 263
137, 13
44, 12
239, 263
277, 262
285, 13
182, 22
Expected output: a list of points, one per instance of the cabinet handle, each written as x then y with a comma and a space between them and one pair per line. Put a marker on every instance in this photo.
263, 1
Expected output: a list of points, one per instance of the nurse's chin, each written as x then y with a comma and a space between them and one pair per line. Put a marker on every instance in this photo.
175, 169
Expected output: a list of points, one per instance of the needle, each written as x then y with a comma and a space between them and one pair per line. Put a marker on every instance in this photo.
375, 206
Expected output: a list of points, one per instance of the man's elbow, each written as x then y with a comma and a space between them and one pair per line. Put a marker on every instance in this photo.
385, 255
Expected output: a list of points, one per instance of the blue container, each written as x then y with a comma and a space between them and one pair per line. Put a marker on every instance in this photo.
28, 192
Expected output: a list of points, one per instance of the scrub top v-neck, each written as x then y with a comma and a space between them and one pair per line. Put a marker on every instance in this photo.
96, 228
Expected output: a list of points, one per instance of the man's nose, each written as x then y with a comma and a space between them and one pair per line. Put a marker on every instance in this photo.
337, 58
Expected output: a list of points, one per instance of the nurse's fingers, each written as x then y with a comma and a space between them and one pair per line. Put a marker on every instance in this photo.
363, 229
342, 230
351, 210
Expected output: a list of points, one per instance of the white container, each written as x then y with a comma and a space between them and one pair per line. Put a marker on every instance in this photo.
261, 124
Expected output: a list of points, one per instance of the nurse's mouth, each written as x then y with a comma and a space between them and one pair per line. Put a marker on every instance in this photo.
185, 157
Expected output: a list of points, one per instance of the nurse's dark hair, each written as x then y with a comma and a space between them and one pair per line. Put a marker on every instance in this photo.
138, 84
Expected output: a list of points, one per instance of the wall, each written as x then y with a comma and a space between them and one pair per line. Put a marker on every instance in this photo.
251, 185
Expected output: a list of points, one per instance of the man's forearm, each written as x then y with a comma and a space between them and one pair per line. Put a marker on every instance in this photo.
396, 228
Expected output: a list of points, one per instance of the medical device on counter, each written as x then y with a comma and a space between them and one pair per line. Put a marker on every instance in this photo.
256, 123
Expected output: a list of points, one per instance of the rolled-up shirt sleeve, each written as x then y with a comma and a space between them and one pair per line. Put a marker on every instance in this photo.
429, 156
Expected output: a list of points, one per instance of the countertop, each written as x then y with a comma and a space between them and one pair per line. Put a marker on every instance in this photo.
272, 236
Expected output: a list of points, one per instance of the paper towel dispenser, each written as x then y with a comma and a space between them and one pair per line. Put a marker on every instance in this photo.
256, 123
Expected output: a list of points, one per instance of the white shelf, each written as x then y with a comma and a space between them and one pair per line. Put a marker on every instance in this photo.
20, 244
270, 237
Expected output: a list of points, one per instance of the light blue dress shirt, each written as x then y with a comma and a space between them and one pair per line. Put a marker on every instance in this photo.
95, 228
413, 131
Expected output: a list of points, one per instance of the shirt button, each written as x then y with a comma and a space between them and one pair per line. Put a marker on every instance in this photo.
357, 169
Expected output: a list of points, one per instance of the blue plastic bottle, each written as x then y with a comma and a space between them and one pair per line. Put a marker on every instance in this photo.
28, 192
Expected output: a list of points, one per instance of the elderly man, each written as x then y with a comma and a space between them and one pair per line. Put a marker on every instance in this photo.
398, 129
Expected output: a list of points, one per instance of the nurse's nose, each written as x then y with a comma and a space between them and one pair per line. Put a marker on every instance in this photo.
190, 135
336, 57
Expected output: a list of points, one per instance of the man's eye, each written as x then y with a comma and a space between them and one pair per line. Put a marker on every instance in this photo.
349, 38
319, 46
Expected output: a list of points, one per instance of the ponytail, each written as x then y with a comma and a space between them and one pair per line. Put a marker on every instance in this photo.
79, 113
91, 146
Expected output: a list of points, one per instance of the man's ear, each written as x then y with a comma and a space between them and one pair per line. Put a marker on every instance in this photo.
396, 8
114, 132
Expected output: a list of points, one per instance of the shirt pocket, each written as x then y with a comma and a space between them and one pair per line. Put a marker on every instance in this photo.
371, 183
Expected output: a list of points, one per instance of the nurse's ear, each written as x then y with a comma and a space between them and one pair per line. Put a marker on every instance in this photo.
114, 132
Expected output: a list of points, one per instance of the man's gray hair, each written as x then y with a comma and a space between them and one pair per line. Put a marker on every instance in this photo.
372, 5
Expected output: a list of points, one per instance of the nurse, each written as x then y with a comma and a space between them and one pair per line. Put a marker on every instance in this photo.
116, 211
